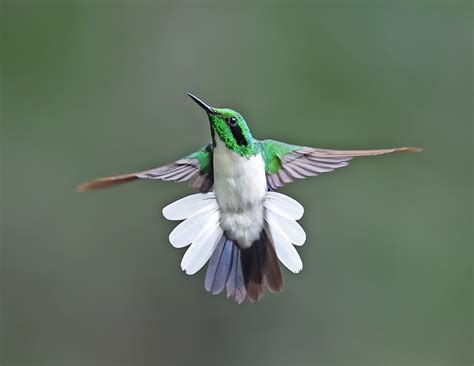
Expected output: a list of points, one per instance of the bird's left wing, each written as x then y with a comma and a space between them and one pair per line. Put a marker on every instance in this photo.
195, 169
285, 162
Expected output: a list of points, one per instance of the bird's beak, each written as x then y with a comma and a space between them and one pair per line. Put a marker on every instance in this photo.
203, 105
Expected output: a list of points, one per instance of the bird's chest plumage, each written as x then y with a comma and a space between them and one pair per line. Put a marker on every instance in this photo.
240, 185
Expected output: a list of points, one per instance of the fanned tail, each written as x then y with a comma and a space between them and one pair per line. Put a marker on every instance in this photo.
243, 272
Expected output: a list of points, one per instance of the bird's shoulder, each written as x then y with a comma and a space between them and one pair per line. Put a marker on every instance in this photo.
273, 151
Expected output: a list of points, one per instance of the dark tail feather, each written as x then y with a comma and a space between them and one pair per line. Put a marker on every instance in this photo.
244, 271
219, 267
260, 264
272, 270
225, 269
253, 263
236, 284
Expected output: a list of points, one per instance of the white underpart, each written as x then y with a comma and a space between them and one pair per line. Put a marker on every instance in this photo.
240, 185
239, 207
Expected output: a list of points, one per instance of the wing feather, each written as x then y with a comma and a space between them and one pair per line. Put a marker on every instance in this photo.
284, 162
195, 168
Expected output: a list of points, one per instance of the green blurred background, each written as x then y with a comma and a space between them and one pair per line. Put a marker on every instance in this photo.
98, 88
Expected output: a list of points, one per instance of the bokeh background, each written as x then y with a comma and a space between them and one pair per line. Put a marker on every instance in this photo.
97, 88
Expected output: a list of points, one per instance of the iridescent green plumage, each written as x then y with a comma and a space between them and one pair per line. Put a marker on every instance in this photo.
241, 227
204, 157
283, 162
272, 152
220, 122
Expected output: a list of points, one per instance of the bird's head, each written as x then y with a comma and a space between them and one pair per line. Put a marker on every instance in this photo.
230, 127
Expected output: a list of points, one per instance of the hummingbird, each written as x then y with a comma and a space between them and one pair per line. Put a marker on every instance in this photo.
238, 223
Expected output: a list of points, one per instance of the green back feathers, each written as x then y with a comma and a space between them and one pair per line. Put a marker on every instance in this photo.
273, 151
204, 157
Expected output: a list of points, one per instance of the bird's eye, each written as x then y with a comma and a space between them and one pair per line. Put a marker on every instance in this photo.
232, 121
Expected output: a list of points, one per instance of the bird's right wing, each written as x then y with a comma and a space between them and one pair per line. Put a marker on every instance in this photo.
195, 169
285, 162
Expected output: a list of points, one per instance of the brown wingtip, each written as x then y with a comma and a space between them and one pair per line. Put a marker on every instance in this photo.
409, 149
105, 182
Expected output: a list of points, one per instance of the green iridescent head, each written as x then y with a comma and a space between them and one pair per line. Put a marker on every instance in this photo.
230, 128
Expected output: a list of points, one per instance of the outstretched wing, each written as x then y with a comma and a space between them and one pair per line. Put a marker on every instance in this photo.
195, 169
285, 163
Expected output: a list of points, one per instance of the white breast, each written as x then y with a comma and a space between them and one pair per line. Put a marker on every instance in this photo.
240, 185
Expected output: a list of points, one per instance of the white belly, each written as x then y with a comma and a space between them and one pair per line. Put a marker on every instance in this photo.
240, 185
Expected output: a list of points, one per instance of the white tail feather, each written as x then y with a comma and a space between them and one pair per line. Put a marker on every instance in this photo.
201, 249
190, 206
186, 232
288, 207
285, 251
291, 229
202, 229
